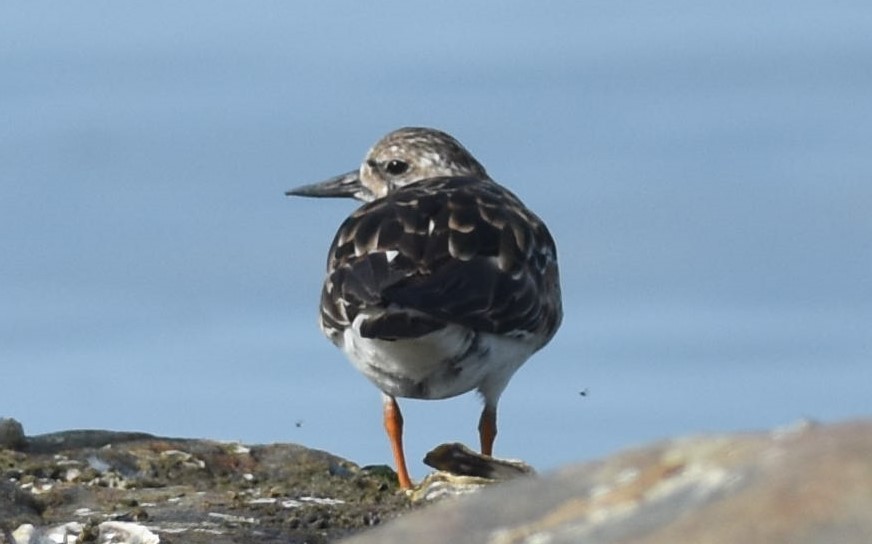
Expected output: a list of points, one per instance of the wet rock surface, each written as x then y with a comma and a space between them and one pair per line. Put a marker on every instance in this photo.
99, 486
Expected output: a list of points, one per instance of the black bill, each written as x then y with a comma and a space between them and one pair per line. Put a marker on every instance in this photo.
343, 185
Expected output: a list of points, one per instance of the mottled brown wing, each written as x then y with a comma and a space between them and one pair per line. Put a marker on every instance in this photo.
445, 250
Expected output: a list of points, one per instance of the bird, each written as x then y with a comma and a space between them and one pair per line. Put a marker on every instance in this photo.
440, 283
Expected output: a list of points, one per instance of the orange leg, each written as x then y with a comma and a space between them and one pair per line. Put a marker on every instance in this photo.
394, 427
487, 429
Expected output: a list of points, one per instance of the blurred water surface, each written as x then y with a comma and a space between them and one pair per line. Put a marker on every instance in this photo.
705, 169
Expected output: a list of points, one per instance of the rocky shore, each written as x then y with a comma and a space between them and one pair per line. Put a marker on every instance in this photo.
804, 483
142, 488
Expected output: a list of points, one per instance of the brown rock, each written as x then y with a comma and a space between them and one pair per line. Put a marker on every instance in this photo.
87, 485
802, 484
11, 434
805, 484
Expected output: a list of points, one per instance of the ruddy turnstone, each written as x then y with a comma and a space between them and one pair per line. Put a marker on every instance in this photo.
441, 283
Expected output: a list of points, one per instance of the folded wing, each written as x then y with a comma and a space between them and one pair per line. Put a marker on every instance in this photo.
444, 250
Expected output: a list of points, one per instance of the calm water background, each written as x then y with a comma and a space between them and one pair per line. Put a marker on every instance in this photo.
706, 169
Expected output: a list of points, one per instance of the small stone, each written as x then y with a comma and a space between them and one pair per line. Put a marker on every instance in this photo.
12, 435
72, 475
457, 459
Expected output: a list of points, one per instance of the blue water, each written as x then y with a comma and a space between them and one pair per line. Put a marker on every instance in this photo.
705, 168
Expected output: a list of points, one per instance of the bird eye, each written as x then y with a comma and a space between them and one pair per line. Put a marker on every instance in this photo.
396, 167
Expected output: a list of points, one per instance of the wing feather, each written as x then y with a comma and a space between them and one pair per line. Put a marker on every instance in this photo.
441, 251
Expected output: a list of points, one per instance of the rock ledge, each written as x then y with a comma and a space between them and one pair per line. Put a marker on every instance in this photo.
801, 484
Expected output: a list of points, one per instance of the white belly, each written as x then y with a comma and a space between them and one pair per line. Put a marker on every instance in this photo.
442, 364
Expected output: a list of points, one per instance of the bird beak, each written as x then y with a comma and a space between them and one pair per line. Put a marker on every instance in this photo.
344, 185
